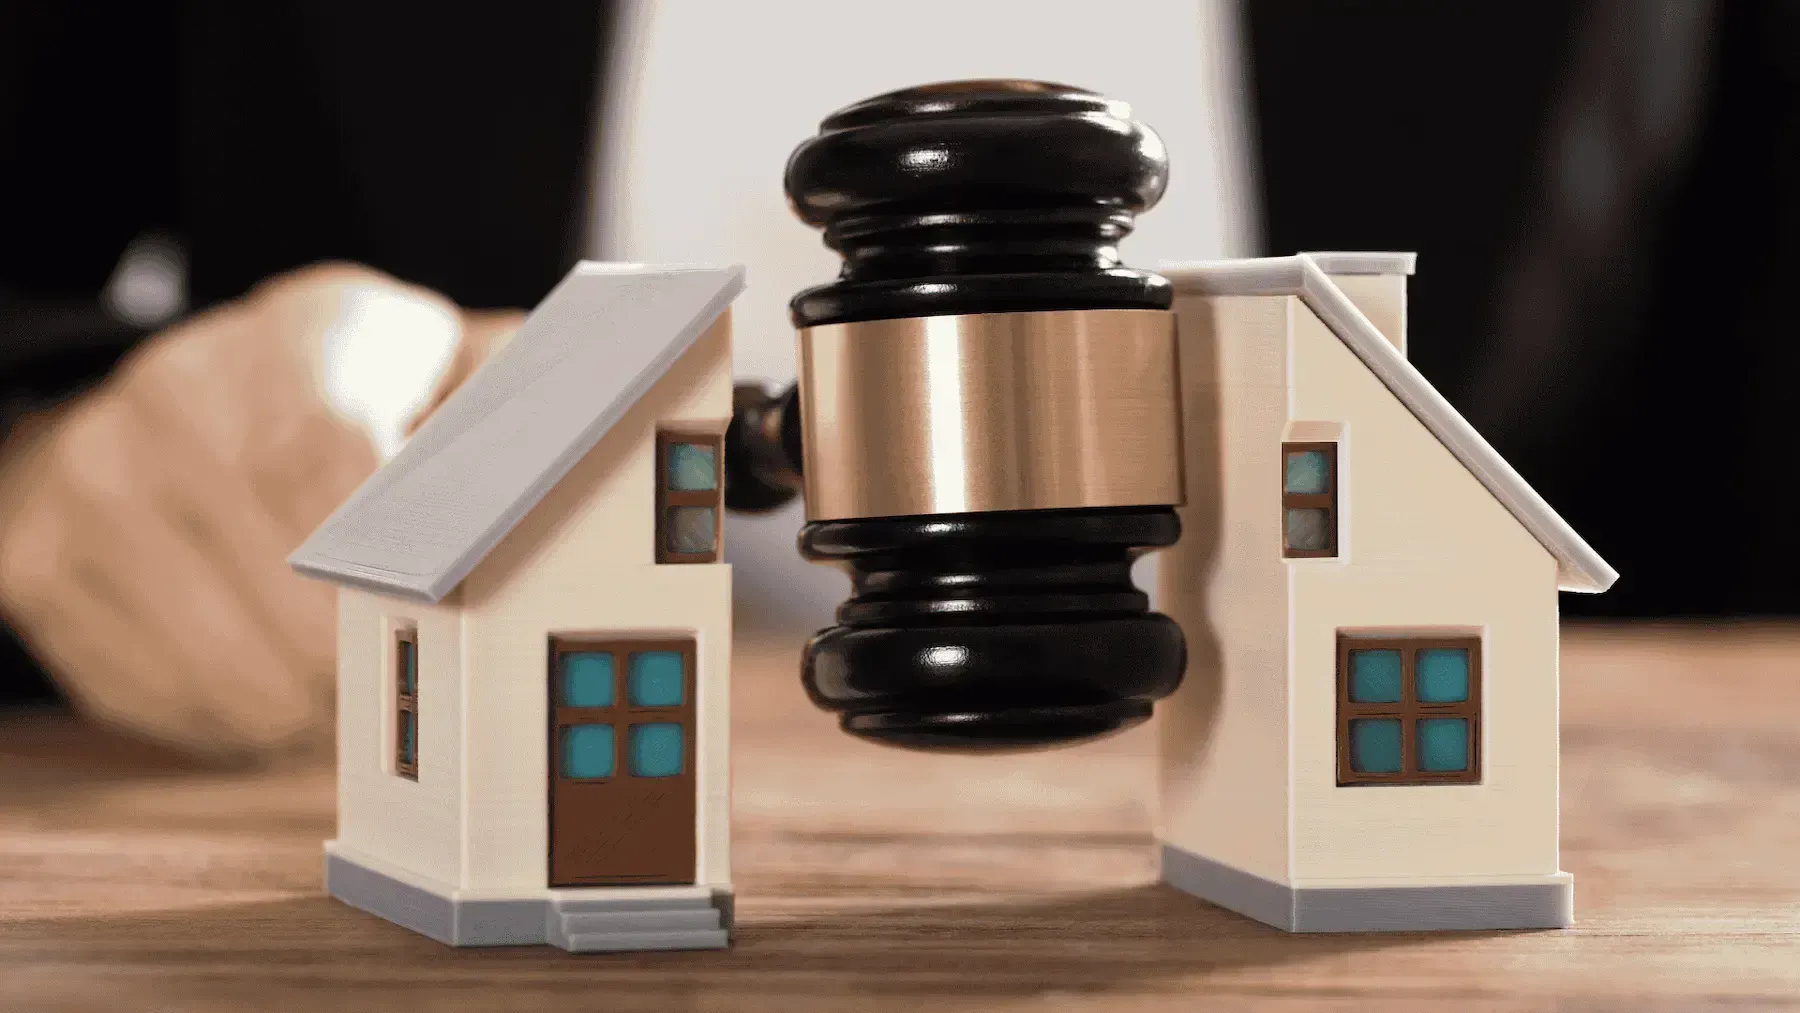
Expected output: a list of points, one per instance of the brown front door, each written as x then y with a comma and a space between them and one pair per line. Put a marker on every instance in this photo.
622, 792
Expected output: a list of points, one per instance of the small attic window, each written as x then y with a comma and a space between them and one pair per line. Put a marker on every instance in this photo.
1309, 500
690, 487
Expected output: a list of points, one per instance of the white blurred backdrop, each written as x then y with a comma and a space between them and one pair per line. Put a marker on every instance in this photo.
706, 99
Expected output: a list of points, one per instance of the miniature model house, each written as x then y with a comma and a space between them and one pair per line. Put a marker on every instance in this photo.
534, 637
1367, 735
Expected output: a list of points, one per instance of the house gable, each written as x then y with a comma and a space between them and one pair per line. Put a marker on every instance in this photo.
1579, 568
496, 447
1427, 551
1403, 496
601, 518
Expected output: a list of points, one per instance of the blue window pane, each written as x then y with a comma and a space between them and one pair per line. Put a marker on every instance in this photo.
1308, 472
409, 735
1309, 529
656, 750
1375, 746
588, 679
1375, 676
587, 751
1443, 674
655, 679
692, 468
1443, 744
690, 530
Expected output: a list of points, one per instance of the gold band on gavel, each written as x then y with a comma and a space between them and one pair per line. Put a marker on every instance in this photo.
994, 411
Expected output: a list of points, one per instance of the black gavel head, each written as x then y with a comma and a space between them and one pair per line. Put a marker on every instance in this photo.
988, 405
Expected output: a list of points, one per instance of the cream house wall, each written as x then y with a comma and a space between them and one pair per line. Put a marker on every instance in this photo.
1222, 737
1425, 547
583, 562
1382, 298
409, 827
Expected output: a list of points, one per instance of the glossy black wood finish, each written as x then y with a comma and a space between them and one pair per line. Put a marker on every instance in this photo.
993, 631
978, 197
988, 631
762, 449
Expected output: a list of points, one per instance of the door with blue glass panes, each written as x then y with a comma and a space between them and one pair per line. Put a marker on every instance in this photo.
622, 785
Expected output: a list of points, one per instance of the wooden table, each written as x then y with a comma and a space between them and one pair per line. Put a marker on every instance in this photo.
875, 879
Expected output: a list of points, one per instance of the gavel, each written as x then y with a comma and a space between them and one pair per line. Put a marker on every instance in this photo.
986, 425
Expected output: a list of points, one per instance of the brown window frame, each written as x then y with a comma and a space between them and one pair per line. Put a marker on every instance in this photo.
621, 713
1409, 710
667, 498
1327, 501
406, 703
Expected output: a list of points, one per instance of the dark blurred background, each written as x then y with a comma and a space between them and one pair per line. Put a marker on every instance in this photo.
1603, 198
1602, 194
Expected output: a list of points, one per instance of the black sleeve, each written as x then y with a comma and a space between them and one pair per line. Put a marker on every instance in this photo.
1605, 199
89, 150
50, 351
89, 160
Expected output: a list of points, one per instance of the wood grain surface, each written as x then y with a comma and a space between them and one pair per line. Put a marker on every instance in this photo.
876, 879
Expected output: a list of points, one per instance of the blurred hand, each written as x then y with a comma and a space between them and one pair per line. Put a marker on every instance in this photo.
145, 527
484, 333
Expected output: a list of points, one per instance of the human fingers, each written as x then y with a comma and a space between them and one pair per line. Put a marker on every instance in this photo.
488, 331
228, 514
150, 541
115, 672
310, 471
32, 531
211, 400
112, 662
58, 609
484, 334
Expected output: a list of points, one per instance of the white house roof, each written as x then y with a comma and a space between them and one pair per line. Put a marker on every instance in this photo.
1579, 567
596, 344
1365, 263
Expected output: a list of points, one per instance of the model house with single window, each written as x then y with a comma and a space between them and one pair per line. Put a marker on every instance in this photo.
534, 637
1367, 735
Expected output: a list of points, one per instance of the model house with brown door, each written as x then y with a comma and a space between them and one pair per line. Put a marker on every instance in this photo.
534, 637
1367, 735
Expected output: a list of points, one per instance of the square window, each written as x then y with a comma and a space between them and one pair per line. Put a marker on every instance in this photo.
692, 467
1375, 676
587, 751
1443, 744
656, 749
656, 679
690, 530
1308, 472
1375, 746
587, 679
1309, 530
1409, 709
1443, 674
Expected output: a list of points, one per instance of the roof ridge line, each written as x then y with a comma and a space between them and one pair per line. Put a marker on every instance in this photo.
1580, 568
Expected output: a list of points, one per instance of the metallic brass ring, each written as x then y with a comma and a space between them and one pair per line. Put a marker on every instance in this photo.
993, 411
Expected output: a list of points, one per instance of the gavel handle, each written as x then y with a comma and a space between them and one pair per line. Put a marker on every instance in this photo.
762, 449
